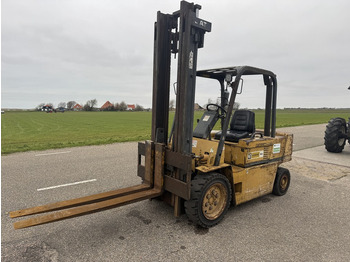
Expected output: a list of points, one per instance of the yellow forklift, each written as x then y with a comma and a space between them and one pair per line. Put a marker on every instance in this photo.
198, 171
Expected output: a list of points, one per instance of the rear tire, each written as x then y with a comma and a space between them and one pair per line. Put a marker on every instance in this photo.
282, 182
210, 199
332, 140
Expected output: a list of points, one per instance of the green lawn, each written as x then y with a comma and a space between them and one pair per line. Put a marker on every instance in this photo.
24, 131
300, 117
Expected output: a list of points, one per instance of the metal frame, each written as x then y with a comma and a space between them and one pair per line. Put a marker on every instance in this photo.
270, 103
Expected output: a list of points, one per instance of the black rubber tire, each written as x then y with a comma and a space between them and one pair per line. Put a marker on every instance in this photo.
199, 189
332, 141
348, 130
282, 182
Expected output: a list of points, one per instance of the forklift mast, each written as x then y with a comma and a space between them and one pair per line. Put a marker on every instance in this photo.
179, 33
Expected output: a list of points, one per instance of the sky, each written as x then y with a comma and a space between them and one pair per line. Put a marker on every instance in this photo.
56, 51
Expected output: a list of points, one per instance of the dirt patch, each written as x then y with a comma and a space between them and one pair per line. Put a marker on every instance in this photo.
317, 169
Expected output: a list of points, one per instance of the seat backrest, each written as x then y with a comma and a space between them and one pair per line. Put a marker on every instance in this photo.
243, 120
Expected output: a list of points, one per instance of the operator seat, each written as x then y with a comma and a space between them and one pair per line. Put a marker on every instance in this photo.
242, 126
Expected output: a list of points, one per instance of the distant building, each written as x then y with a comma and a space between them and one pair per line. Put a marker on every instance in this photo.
130, 107
77, 107
197, 107
60, 109
107, 106
47, 108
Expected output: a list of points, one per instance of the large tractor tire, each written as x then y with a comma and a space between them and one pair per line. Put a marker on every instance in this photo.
333, 140
348, 125
210, 199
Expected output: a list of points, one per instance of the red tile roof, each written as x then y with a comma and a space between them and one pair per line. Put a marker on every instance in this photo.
106, 105
77, 106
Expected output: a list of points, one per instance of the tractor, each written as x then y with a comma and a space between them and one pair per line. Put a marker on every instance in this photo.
199, 171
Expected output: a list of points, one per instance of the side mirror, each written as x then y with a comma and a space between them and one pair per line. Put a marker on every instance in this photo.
240, 87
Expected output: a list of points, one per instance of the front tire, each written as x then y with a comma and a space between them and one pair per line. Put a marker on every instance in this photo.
210, 199
332, 139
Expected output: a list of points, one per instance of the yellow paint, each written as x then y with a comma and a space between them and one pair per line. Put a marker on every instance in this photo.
253, 182
250, 164
205, 151
248, 151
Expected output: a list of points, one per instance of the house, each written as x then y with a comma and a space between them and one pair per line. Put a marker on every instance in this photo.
130, 107
77, 107
197, 107
107, 106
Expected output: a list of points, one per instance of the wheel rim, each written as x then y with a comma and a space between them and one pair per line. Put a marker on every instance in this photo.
284, 182
341, 140
214, 202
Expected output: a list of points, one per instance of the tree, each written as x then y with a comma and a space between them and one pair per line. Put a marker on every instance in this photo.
89, 106
93, 103
236, 106
172, 104
62, 104
117, 107
40, 106
123, 106
71, 104
138, 108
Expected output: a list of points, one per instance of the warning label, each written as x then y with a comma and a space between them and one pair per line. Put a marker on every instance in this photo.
194, 143
276, 148
206, 118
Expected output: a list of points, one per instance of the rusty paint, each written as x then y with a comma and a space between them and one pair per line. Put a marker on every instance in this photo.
79, 201
88, 209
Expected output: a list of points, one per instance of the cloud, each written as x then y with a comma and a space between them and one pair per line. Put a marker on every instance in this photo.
55, 51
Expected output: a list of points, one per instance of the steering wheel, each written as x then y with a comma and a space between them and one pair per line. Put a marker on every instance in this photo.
223, 111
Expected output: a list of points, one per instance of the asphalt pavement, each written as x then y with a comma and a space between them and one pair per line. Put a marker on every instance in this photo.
310, 223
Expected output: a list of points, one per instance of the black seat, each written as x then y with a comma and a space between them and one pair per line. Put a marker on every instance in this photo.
242, 126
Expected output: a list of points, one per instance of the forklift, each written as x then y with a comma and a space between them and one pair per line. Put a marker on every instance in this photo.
199, 171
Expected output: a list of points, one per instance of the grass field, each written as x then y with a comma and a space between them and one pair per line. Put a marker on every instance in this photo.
24, 131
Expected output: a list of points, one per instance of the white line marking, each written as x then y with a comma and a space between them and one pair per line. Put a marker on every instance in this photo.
56, 153
69, 184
